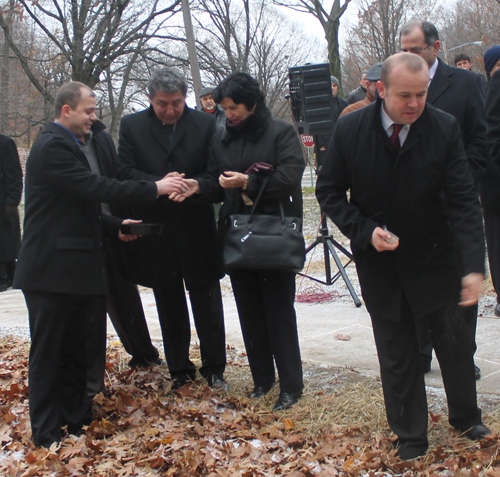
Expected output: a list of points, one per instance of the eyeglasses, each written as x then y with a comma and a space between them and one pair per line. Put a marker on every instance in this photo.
416, 51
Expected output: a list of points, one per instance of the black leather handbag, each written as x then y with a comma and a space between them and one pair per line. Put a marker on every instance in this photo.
264, 242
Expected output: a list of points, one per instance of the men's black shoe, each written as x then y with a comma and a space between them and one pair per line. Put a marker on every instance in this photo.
260, 391
497, 310
477, 373
479, 431
217, 381
287, 400
3, 285
146, 362
178, 383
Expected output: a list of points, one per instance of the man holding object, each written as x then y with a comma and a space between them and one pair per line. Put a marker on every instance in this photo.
408, 176
60, 265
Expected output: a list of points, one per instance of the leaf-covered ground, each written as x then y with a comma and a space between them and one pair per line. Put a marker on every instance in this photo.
141, 428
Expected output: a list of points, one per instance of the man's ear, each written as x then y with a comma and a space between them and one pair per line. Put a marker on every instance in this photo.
65, 110
381, 89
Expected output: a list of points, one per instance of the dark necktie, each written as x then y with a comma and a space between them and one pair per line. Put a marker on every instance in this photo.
169, 132
396, 129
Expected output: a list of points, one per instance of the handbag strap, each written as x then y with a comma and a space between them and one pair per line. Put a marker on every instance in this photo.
262, 187
256, 201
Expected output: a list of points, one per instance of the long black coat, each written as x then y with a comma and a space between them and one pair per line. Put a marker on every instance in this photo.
62, 243
460, 93
264, 140
11, 188
424, 195
490, 185
187, 245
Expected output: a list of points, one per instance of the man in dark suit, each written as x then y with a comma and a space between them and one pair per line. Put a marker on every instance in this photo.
460, 93
11, 188
490, 185
406, 170
60, 267
359, 93
171, 138
123, 304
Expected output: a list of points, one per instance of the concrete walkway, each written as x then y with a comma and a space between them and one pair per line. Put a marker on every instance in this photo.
333, 333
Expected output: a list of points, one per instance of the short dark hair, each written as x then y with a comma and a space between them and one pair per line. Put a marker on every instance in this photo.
70, 94
167, 80
241, 88
412, 62
462, 57
431, 34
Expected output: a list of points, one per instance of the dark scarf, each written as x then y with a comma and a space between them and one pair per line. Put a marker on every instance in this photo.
252, 127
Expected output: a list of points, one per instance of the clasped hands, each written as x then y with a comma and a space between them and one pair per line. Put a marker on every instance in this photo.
184, 188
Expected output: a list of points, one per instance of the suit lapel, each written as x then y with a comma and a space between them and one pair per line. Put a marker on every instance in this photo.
159, 133
440, 83
180, 129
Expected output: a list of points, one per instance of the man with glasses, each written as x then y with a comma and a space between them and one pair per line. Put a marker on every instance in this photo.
457, 92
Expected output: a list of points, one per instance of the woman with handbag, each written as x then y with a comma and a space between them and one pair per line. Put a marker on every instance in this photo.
264, 297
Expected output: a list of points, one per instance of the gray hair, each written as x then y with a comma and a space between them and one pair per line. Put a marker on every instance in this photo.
167, 80
430, 32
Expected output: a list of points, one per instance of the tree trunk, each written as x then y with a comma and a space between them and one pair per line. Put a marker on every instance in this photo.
4, 84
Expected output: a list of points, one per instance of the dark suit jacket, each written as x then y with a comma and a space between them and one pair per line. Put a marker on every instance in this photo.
424, 195
62, 244
460, 93
11, 188
490, 185
188, 242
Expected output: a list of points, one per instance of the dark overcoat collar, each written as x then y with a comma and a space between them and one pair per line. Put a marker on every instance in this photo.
419, 127
441, 81
158, 130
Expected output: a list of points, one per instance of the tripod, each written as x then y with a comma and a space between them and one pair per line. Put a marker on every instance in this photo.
329, 245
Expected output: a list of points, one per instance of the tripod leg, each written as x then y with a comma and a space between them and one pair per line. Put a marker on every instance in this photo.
342, 271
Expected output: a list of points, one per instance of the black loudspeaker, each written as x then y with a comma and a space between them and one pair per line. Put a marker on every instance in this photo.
311, 98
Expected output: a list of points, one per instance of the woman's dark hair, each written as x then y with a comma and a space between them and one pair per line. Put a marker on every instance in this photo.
241, 88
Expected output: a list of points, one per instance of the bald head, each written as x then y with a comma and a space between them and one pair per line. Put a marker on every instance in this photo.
412, 63
403, 87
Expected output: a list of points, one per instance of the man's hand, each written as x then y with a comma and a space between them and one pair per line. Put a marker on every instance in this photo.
379, 241
191, 186
471, 286
231, 180
175, 174
129, 238
170, 184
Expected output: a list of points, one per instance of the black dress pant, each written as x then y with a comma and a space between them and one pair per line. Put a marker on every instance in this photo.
124, 307
57, 364
206, 303
424, 334
492, 232
265, 302
403, 380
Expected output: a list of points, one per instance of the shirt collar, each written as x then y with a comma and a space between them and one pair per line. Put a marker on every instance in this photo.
72, 135
387, 123
432, 69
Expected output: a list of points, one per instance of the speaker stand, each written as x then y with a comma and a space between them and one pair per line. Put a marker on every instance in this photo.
329, 246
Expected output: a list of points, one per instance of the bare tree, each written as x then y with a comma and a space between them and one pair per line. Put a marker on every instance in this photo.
330, 21
375, 37
88, 35
253, 37
226, 34
468, 23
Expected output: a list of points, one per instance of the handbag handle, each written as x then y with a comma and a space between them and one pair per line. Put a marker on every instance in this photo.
261, 190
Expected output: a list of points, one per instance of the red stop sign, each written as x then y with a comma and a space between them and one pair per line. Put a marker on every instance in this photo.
308, 141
